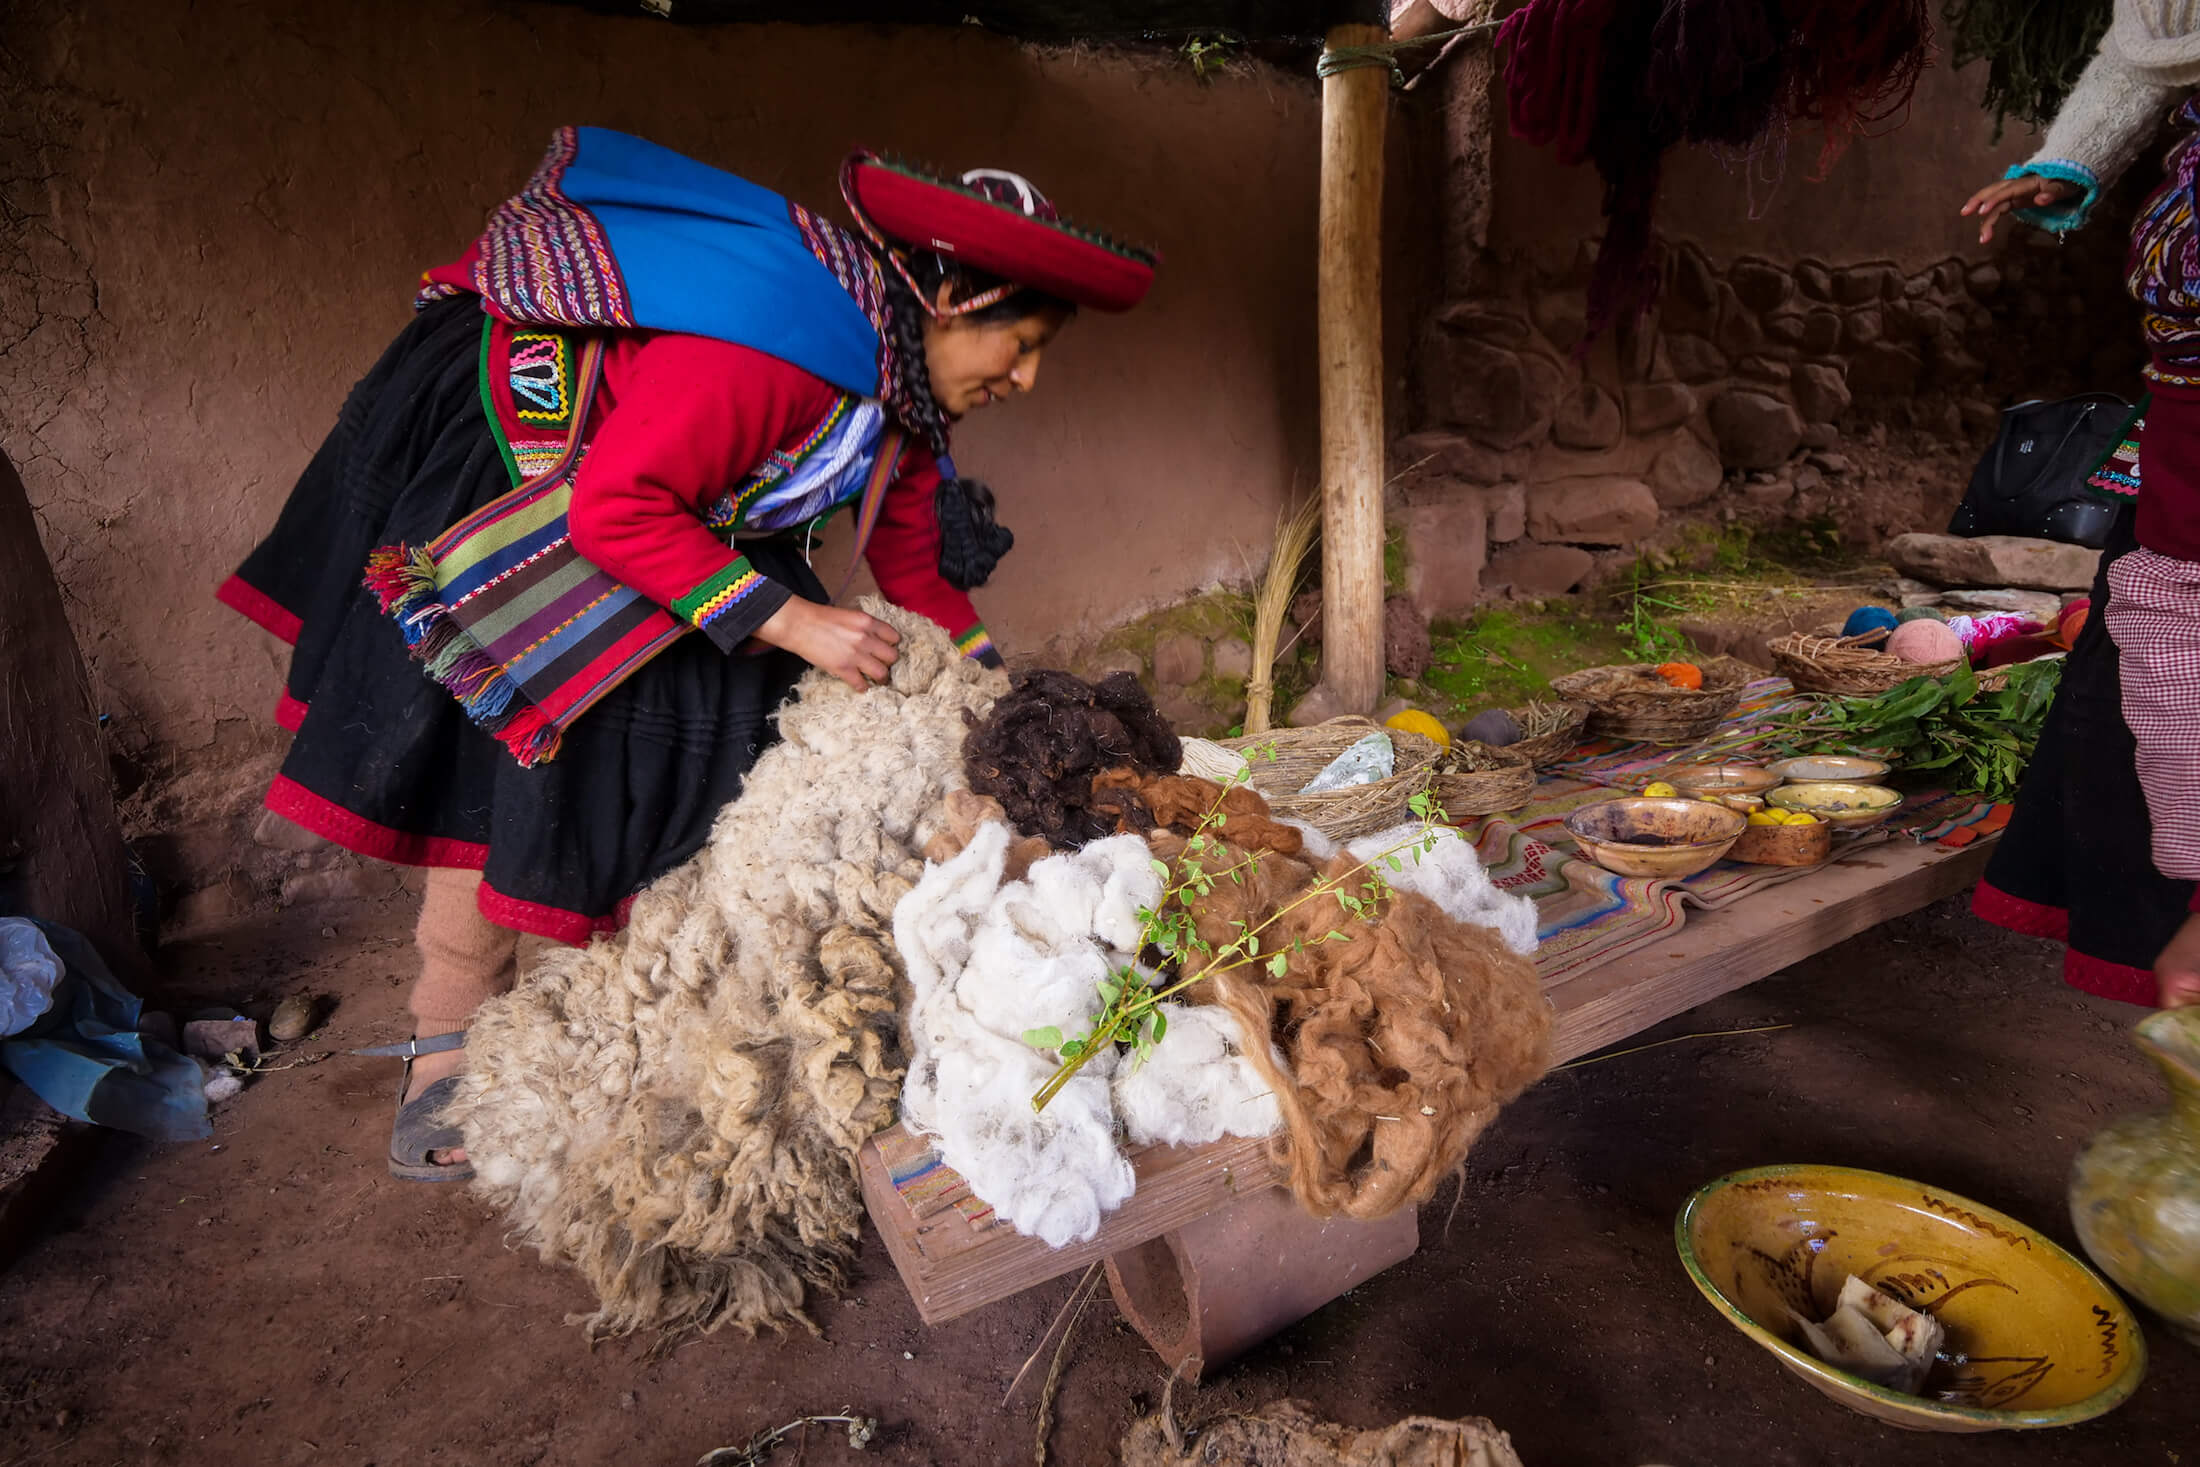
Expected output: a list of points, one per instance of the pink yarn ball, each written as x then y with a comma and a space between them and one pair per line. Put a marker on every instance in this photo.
1925, 642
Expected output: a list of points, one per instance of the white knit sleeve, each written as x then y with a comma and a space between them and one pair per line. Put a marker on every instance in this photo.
2101, 128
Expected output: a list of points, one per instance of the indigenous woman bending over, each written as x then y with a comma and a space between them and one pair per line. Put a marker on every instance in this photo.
2104, 849
617, 421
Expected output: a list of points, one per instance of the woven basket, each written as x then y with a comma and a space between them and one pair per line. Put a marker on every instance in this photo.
1824, 661
1549, 731
1302, 753
1482, 779
1632, 702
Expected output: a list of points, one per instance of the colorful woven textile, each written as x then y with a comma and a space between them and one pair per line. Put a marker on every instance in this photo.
2164, 262
615, 233
508, 616
2117, 478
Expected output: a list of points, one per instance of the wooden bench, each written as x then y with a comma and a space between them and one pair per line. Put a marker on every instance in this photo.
1190, 1254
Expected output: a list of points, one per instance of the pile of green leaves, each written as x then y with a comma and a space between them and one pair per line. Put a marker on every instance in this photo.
1978, 741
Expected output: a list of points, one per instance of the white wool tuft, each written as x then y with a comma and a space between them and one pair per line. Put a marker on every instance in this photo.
1449, 874
1196, 1085
989, 962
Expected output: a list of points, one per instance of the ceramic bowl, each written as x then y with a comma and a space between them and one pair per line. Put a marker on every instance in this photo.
1668, 838
1784, 845
1845, 806
2035, 1338
1711, 781
1819, 768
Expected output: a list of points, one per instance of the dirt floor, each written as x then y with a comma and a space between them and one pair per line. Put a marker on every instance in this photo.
272, 1297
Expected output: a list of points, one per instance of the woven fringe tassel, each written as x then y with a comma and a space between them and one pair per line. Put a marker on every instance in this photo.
402, 577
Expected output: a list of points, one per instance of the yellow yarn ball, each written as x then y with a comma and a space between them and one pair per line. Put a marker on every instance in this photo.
1413, 720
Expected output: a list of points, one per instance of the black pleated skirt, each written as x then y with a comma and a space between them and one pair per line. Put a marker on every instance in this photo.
385, 762
2076, 861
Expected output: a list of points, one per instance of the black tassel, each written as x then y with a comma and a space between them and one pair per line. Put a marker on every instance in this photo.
972, 542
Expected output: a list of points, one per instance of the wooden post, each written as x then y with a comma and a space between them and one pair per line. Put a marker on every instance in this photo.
1349, 315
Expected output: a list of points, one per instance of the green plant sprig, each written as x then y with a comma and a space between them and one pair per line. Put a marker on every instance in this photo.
1131, 1002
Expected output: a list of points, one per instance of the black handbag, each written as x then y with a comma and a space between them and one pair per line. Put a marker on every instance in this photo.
2032, 482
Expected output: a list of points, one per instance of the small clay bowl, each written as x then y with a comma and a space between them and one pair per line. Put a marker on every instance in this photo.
1850, 806
1827, 768
1710, 781
1663, 838
1784, 845
2035, 1338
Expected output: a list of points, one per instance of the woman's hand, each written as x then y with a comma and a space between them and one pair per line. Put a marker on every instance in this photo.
2177, 970
856, 648
1997, 199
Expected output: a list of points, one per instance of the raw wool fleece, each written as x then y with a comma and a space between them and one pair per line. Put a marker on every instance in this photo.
675, 1110
1143, 802
1447, 872
1038, 750
991, 959
1400, 1042
1287, 1434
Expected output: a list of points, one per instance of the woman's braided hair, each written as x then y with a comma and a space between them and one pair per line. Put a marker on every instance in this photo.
972, 541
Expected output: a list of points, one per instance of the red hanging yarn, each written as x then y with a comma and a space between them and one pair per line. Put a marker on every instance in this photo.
1553, 49
1857, 64
1618, 82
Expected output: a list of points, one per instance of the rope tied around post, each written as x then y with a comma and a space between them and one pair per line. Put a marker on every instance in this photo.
1336, 59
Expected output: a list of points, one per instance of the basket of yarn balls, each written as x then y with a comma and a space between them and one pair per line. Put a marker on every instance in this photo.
1659, 703
1873, 651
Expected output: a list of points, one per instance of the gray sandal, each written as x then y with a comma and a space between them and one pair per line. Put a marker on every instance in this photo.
418, 1128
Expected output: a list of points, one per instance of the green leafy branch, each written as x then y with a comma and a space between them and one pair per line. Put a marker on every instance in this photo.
1130, 1000
1979, 740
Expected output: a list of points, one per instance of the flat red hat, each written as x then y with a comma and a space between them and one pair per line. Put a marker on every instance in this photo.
1019, 237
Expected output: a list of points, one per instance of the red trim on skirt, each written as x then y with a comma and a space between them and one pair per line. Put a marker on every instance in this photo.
294, 802
331, 821
570, 928
289, 712
258, 607
2096, 976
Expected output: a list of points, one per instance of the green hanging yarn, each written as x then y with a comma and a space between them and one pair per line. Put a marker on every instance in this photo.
2033, 50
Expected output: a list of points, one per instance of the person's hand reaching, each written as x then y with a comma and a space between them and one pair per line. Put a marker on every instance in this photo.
2029, 191
853, 646
2177, 970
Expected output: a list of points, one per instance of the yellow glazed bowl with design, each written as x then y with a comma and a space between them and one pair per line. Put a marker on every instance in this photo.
2035, 1338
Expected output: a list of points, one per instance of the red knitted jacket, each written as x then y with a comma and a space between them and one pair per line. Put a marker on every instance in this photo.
681, 420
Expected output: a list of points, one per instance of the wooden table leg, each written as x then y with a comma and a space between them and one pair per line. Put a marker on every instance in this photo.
1218, 1286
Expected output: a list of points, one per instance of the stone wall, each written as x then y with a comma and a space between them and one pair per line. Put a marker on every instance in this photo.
1776, 380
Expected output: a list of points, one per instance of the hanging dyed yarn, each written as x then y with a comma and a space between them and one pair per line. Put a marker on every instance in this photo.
1619, 82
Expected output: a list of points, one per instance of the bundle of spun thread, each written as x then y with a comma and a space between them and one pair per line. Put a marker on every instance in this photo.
1399, 1041
675, 1111
990, 960
1038, 750
1145, 802
1619, 82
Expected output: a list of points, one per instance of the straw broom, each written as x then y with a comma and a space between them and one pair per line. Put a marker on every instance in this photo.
1295, 530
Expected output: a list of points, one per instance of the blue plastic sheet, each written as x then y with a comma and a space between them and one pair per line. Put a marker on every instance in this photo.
85, 1058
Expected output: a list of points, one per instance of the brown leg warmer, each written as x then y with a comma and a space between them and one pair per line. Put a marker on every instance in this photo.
464, 957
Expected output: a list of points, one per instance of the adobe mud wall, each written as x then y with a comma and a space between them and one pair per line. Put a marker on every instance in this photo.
216, 214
